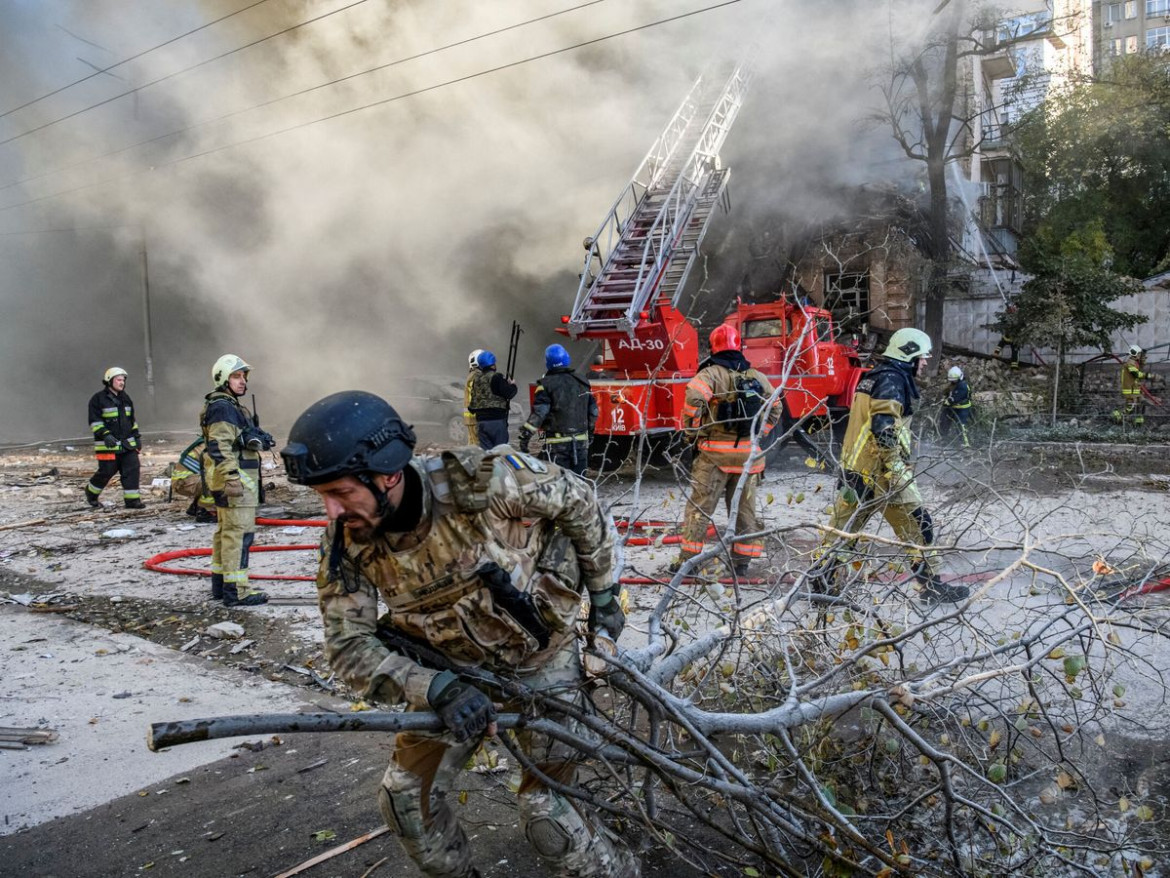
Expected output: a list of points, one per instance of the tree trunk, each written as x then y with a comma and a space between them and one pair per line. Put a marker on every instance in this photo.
936, 286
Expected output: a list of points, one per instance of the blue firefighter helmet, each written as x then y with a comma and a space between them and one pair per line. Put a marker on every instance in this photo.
486, 360
555, 355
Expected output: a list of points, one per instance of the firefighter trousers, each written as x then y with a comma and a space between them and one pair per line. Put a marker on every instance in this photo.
858, 499
234, 532
708, 484
566, 836
125, 465
957, 419
572, 455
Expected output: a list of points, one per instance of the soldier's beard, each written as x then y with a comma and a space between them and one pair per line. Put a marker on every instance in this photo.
360, 528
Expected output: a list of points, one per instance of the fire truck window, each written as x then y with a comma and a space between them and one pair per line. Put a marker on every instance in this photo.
763, 328
824, 330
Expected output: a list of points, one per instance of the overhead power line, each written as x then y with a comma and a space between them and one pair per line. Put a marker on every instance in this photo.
134, 57
175, 73
303, 91
398, 97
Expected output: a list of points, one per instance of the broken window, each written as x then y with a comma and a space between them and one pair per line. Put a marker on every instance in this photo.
846, 294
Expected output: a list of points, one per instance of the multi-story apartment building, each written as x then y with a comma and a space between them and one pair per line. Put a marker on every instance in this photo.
1129, 27
1040, 47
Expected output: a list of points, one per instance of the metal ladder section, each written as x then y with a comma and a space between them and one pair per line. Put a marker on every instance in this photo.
642, 253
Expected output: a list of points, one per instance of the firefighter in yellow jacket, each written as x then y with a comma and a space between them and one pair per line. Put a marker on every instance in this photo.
1133, 376
468, 385
876, 475
234, 443
444, 543
725, 401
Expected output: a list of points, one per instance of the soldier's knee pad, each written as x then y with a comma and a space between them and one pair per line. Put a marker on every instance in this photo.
552, 826
402, 811
925, 524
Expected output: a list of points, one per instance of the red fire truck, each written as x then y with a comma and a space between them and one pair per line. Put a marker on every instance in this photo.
636, 266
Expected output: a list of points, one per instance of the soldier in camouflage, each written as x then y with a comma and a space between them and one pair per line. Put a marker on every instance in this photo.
442, 542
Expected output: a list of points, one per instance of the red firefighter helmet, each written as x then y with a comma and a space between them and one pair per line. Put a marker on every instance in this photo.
724, 337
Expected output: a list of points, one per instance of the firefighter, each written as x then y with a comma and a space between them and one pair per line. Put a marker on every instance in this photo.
1133, 374
565, 409
957, 405
1006, 341
490, 394
445, 543
723, 402
468, 417
876, 474
234, 444
116, 440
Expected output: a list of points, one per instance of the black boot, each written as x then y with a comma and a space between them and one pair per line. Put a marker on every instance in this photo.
92, 499
135, 503
741, 567
203, 516
935, 591
231, 597
217, 586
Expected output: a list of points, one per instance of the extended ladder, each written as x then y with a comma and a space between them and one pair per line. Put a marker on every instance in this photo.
642, 253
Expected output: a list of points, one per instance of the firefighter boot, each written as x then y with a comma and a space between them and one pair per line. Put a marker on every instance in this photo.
741, 567
135, 503
934, 590
92, 499
217, 586
231, 597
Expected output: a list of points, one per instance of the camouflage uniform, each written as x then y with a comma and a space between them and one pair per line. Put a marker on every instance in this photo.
878, 476
473, 511
721, 455
223, 419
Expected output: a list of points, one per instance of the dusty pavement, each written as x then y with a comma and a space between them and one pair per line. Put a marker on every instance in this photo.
112, 647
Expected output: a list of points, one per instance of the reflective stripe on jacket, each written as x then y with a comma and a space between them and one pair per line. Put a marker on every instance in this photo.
713, 384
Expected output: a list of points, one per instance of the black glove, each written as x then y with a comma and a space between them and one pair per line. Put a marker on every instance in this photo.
605, 612
464, 710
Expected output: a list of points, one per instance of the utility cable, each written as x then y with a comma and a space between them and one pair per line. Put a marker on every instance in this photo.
132, 57
303, 91
418, 91
175, 73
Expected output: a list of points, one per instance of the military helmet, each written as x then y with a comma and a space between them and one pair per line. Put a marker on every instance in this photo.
225, 366
112, 373
350, 433
907, 345
724, 337
1135, 350
954, 374
485, 360
556, 355
473, 358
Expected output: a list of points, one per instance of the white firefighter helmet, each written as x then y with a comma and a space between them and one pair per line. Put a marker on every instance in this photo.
954, 374
908, 345
113, 372
1135, 350
224, 366
473, 357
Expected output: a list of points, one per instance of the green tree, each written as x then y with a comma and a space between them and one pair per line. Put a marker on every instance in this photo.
1101, 150
1066, 304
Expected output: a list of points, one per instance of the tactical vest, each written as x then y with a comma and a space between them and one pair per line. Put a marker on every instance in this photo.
432, 590
569, 415
482, 396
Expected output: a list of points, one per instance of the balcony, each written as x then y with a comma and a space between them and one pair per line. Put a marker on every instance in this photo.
994, 137
1000, 64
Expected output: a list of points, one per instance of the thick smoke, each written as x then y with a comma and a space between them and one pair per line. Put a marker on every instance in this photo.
381, 243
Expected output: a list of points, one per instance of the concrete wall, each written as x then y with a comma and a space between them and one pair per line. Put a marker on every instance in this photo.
968, 314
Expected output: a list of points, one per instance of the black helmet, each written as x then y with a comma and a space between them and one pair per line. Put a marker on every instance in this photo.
347, 434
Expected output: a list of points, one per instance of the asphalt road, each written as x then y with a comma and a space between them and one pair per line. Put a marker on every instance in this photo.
262, 813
